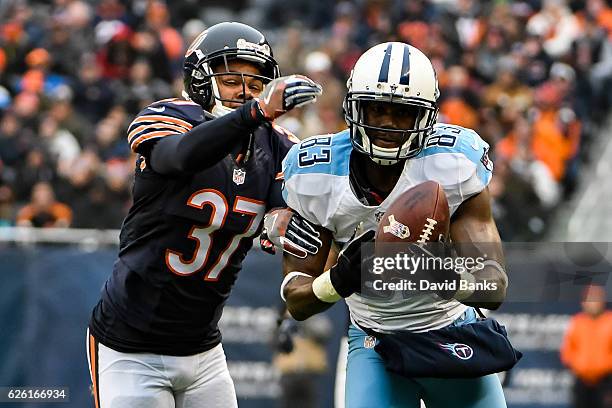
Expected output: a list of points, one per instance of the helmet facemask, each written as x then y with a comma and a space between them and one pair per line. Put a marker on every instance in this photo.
364, 134
204, 85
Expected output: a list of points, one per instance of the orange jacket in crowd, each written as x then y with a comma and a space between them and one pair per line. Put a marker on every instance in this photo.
548, 143
57, 215
551, 146
587, 347
459, 113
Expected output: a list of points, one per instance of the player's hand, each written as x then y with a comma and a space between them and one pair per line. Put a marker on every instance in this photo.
289, 231
437, 273
345, 275
285, 93
286, 329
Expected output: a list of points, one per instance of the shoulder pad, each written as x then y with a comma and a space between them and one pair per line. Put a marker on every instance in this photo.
315, 171
457, 140
321, 154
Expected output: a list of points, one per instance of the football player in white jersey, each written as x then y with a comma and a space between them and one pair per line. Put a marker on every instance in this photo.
342, 183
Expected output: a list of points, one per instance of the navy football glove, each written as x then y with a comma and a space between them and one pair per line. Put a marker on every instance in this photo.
438, 273
345, 275
286, 328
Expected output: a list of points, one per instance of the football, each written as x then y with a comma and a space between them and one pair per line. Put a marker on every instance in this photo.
419, 215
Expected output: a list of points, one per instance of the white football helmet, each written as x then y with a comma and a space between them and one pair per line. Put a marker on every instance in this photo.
398, 73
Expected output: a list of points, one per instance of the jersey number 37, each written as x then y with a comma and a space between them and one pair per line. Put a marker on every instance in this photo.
203, 235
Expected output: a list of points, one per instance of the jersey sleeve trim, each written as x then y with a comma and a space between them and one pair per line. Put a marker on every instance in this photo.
163, 118
148, 127
155, 126
149, 136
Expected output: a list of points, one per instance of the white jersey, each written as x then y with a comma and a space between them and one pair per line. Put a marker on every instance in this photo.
317, 187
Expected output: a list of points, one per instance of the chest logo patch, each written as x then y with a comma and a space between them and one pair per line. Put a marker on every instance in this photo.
379, 215
239, 175
396, 228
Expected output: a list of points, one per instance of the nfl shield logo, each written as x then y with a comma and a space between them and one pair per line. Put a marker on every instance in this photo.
239, 175
369, 342
379, 215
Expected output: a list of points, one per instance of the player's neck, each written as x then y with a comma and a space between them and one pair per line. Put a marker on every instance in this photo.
382, 178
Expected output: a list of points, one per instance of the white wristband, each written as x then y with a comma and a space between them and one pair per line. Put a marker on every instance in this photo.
324, 290
288, 278
463, 294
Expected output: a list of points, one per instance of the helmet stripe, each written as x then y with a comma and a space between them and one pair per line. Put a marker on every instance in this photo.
405, 72
383, 75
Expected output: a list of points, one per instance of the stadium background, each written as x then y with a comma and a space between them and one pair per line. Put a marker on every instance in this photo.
532, 77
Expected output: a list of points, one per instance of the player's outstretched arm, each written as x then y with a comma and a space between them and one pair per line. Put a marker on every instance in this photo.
206, 144
300, 274
475, 234
209, 142
314, 283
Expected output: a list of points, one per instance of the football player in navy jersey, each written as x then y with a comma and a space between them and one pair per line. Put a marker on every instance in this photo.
208, 169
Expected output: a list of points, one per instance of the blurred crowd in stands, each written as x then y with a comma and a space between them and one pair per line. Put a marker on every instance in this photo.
533, 77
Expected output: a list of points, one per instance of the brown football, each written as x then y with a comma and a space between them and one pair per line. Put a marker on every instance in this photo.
420, 215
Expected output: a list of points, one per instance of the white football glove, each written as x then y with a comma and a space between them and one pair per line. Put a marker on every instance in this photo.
290, 232
285, 93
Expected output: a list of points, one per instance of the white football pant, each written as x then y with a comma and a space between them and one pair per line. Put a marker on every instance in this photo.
145, 380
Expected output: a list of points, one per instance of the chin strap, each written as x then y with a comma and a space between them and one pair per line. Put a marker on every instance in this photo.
369, 150
384, 162
219, 109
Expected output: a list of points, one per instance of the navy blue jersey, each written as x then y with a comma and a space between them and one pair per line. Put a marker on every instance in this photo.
184, 239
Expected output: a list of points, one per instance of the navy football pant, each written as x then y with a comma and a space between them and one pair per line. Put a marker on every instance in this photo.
369, 385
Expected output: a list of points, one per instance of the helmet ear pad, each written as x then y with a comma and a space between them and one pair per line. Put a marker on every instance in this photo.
198, 85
